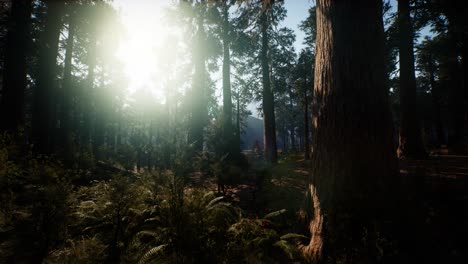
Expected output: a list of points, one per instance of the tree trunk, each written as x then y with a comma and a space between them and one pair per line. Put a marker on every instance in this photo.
44, 107
411, 144
14, 73
66, 119
306, 125
292, 126
87, 100
436, 103
465, 86
199, 114
269, 126
238, 125
100, 117
354, 165
227, 100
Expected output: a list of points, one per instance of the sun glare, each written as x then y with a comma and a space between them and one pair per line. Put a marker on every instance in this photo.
145, 34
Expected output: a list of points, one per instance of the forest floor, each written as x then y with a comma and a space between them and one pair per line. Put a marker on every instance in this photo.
434, 212
438, 207
435, 193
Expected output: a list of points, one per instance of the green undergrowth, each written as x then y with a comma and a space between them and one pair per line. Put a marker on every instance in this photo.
151, 217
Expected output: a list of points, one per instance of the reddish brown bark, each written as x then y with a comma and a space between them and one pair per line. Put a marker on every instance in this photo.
354, 165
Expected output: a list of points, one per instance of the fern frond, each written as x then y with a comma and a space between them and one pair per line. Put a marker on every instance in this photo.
153, 219
275, 214
290, 236
153, 253
214, 201
289, 249
147, 233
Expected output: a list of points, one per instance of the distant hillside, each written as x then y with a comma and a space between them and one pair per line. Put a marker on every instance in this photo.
253, 131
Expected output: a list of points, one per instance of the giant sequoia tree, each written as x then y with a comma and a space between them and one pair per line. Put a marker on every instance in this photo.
354, 161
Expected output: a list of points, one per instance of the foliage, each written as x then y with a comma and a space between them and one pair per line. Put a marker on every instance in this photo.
258, 241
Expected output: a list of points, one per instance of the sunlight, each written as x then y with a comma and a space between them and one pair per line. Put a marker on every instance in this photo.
145, 32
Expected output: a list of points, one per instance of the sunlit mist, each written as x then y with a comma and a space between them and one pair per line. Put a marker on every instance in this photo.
146, 29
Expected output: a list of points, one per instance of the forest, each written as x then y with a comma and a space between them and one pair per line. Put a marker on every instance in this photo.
128, 131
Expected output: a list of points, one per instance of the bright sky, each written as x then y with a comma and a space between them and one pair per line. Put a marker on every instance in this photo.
146, 31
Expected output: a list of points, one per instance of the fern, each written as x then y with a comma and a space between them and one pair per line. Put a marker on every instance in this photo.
291, 236
153, 253
289, 249
147, 233
214, 201
275, 214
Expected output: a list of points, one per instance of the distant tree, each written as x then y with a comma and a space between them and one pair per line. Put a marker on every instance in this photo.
304, 78
449, 18
354, 165
428, 61
305, 73
15, 66
196, 12
227, 94
282, 57
67, 94
269, 124
411, 144
46, 87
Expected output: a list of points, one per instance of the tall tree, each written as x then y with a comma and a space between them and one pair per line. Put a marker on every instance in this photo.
303, 82
269, 125
354, 165
15, 65
67, 94
87, 99
44, 103
411, 144
428, 53
199, 108
305, 72
227, 98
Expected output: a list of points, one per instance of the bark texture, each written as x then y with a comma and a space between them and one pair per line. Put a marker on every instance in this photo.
354, 165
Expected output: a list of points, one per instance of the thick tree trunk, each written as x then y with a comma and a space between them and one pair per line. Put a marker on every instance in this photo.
14, 73
44, 103
66, 117
269, 125
411, 144
354, 165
